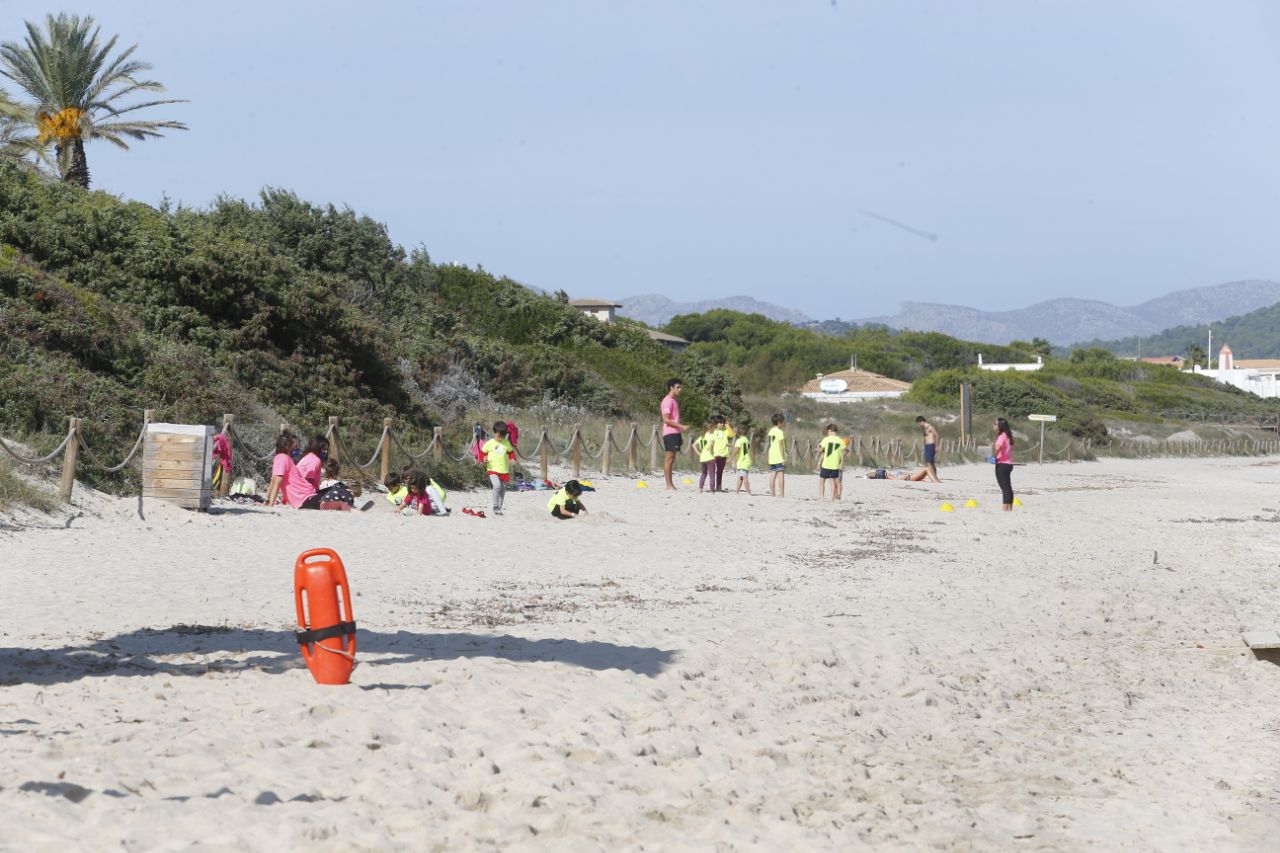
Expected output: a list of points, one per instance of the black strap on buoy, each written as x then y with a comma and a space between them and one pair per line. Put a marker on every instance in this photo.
306, 638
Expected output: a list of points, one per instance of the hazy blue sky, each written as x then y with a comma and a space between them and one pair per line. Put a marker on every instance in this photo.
1111, 150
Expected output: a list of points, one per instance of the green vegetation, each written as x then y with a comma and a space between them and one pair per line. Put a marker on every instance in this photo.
14, 490
1092, 386
76, 88
1252, 335
286, 311
768, 355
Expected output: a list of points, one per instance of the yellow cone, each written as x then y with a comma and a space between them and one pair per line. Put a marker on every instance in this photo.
641, 484
1017, 502
947, 508
688, 481
970, 504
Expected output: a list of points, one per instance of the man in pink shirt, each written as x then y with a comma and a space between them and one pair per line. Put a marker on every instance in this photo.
672, 430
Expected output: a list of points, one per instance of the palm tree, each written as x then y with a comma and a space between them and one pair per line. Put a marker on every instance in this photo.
76, 88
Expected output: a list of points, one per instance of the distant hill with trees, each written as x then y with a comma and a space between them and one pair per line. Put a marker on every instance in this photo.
1252, 335
769, 355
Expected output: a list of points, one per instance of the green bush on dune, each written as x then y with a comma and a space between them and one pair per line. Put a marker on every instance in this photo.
282, 310
1087, 388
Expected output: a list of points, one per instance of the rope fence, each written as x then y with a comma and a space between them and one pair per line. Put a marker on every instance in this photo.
607, 456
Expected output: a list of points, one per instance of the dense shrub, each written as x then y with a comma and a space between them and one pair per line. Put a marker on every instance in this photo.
280, 309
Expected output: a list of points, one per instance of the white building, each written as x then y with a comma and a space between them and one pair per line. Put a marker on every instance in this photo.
1257, 376
601, 309
1030, 365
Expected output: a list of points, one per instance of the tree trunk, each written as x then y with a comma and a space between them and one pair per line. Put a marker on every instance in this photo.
78, 168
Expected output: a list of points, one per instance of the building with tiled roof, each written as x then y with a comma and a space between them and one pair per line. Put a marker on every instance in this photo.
852, 386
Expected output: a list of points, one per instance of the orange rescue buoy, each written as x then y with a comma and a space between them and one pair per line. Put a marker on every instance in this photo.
327, 628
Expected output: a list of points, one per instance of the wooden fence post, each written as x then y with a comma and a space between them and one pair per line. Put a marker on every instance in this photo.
69, 461
575, 445
653, 449
544, 452
605, 449
333, 438
385, 450
284, 428
859, 441
633, 450
437, 444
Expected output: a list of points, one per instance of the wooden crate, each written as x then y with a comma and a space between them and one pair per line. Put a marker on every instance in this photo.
177, 464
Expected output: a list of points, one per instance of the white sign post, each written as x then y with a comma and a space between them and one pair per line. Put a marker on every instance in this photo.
1043, 419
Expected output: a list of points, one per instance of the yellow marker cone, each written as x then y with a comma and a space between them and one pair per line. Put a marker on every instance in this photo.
970, 504
641, 484
947, 508
688, 481
1017, 502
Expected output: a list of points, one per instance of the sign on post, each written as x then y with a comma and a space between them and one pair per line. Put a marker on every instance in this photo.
1043, 419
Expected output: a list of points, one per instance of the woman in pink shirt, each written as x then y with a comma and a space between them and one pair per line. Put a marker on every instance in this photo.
1002, 450
286, 481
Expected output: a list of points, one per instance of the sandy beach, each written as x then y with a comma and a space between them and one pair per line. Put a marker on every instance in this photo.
675, 671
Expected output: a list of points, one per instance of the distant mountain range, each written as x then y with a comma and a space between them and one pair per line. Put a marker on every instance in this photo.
1069, 321
657, 310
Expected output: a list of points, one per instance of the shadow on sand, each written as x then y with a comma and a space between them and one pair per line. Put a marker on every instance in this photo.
204, 649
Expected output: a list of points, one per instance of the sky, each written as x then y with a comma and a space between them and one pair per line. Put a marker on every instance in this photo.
770, 148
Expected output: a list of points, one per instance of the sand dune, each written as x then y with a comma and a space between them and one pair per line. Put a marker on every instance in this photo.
673, 672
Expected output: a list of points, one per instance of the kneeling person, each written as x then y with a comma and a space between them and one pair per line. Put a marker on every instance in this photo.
565, 504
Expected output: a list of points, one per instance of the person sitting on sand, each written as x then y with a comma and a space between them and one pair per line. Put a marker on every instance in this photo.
416, 500
566, 504
286, 481
311, 465
397, 491
332, 488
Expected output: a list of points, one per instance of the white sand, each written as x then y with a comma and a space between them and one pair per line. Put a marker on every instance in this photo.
675, 671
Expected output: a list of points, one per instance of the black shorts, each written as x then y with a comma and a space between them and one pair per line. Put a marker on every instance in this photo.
930, 453
829, 473
673, 443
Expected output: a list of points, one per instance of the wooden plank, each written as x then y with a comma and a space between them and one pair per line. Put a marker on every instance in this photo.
173, 493
1262, 640
163, 438
191, 503
174, 483
173, 465
173, 453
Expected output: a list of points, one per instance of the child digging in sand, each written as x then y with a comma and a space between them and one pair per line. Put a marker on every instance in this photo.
565, 504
